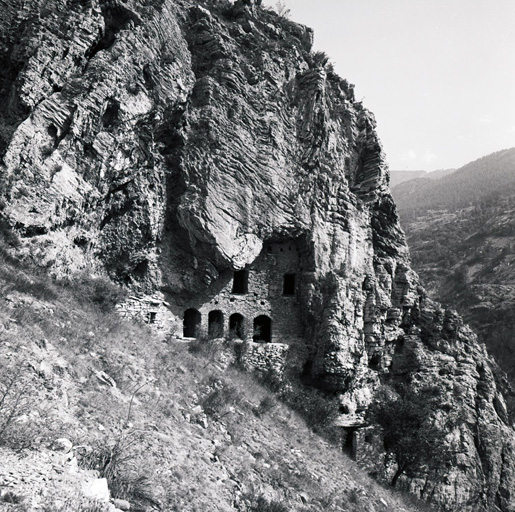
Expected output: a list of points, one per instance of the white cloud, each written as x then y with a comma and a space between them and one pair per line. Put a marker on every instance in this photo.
429, 156
486, 119
409, 155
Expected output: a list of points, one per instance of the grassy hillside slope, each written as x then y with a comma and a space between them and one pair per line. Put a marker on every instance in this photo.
172, 426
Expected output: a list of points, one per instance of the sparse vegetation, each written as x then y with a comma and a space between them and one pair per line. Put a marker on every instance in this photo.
119, 462
316, 407
23, 419
462, 240
170, 416
99, 291
74, 503
413, 436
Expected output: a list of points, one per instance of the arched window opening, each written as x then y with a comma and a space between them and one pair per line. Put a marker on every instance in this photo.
289, 284
240, 281
215, 327
192, 319
262, 329
236, 326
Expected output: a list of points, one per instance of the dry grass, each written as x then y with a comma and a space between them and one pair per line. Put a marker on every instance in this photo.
176, 430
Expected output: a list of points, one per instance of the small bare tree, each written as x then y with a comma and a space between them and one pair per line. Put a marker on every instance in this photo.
282, 10
23, 416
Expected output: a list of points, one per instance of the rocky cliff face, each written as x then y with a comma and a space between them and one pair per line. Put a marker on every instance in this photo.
462, 244
167, 143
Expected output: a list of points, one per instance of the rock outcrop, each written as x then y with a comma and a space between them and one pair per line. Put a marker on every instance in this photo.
469, 263
168, 142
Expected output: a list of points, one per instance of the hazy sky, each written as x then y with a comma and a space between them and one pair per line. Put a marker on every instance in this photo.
439, 75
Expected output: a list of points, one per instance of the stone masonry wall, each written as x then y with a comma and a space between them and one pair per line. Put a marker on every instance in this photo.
264, 295
368, 449
152, 310
267, 358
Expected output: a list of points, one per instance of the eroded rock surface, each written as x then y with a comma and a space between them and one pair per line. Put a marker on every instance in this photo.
166, 143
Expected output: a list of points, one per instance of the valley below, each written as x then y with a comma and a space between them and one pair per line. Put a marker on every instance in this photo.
462, 244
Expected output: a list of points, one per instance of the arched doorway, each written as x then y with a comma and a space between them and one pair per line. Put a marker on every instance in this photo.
237, 326
262, 329
215, 327
191, 324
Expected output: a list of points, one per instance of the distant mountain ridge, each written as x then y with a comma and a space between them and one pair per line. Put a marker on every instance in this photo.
461, 233
494, 173
199, 153
398, 177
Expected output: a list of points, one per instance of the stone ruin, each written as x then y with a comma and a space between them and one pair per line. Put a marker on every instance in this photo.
259, 309
257, 306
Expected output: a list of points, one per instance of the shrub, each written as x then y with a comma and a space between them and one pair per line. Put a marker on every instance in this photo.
216, 403
266, 405
281, 9
9, 236
99, 291
319, 59
117, 461
271, 379
23, 417
47, 150
354, 496
261, 504
12, 497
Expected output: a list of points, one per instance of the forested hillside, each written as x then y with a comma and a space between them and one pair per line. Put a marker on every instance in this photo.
480, 180
397, 177
461, 232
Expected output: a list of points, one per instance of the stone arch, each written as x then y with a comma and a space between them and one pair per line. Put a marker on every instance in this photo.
215, 328
191, 323
237, 326
262, 329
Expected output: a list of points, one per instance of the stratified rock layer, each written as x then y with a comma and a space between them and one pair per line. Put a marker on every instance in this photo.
167, 142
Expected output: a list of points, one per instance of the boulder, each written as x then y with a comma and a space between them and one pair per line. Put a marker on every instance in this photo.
122, 504
96, 489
